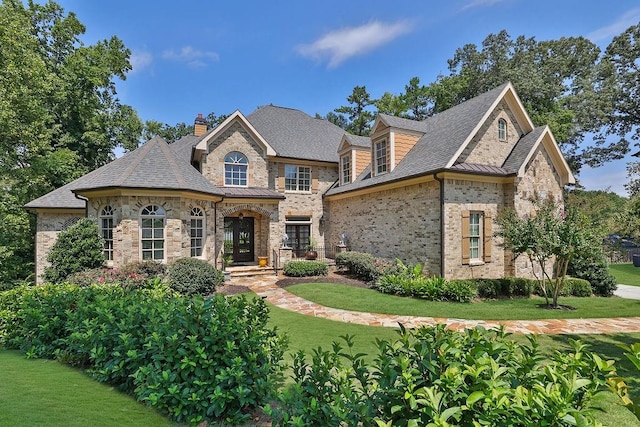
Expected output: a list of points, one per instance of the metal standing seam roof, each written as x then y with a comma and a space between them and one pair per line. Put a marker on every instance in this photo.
295, 134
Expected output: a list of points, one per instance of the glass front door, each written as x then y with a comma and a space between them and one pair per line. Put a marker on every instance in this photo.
238, 239
298, 238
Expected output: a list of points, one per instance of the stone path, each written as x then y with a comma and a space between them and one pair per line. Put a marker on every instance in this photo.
265, 287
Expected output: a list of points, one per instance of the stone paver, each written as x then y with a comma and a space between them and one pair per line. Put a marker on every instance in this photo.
265, 287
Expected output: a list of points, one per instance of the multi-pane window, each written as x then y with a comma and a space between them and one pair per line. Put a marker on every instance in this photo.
235, 169
106, 231
475, 234
152, 232
502, 130
346, 169
197, 232
297, 178
381, 156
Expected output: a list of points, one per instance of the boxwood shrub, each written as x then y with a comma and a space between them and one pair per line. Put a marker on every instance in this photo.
305, 268
573, 287
365, 266
194, 276
506, 287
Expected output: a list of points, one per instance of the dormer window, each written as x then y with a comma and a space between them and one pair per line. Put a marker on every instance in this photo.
235, 170
502, 130
346, 169
381, 157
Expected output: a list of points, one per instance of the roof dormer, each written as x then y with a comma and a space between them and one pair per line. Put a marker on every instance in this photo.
391, 139
355, 156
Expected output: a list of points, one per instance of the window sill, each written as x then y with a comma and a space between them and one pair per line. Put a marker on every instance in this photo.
297, 192
476, 262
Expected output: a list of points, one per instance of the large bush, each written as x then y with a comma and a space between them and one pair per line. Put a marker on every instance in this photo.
132, 275
305, 268
594, 268
506, 287
365, 266
436, 377
191, 358
194, 276
79, 247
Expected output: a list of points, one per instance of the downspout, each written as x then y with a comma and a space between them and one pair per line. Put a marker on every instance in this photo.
215, 228
441, 181
86, 204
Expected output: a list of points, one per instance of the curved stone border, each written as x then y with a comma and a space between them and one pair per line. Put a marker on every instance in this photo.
265, 287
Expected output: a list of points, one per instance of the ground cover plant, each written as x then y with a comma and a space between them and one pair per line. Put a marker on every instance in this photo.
369, 300
626, 274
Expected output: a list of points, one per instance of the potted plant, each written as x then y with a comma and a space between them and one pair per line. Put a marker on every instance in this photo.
227, 259
311, 252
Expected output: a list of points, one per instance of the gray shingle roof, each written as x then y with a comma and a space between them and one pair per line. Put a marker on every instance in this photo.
522, 149
444, 134
358, 141
152, 166
184, 146
295, 134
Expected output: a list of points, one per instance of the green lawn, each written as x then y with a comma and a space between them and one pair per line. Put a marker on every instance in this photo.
47, 393
368, 300
626, 274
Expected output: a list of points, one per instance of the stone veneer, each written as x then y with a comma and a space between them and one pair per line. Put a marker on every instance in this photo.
49, 224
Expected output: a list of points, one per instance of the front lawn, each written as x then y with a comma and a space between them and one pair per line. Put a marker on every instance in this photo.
368, 300
48, 393
626, 274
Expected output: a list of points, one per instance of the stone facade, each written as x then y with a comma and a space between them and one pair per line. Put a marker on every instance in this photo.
49, 224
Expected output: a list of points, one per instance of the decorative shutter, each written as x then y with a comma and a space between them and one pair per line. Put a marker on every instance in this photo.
314, 180
487, 231
281, 177
465, 237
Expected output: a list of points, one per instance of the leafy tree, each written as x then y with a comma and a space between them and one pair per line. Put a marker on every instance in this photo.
551, 237
633, 175
358, 116
393, 105
59, 114
79, 247
417, 100
601, 207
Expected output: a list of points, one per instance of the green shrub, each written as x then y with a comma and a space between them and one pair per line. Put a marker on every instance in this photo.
459, 290
595, 270
111, 276
506, 287
432, 376
429, 288
365, 266
148, 269
305, 268
194, 276
577, 287
78, 248
191, 358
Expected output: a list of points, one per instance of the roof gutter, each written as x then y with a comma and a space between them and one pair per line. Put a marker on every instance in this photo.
86, 203
441, 182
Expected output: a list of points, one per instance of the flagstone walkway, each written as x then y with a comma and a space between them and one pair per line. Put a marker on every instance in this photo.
266, 287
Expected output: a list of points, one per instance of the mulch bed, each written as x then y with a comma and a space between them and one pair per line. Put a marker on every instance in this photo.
333, 277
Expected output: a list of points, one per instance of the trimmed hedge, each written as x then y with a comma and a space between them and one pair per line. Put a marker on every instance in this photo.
432, 288
191, 276
191, 358
305, 268
572, 287
365, 266
506, 287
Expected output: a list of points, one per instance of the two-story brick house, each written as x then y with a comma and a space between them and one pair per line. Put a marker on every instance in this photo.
423, 191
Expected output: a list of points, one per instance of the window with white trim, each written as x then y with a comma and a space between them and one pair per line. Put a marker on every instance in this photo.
381, 157
197, 232
346, 169
475, 236
235, 170
106, 231
152, 219
297, 178
502, 130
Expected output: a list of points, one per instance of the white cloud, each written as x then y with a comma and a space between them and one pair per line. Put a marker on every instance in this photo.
192, 57
628, 19
339, 45
480, 3
140, 60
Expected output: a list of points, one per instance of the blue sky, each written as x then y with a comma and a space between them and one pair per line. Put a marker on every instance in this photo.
202, 57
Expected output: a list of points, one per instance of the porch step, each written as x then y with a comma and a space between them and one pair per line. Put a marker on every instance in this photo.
250, 270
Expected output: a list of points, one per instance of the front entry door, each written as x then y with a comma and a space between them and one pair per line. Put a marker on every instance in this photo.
238, 239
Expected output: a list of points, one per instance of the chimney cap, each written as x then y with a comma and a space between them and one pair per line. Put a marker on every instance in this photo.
200, 120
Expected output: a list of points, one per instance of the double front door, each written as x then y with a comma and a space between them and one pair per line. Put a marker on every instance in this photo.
238, 239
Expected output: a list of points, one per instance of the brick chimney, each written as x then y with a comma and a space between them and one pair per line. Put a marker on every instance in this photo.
199, 125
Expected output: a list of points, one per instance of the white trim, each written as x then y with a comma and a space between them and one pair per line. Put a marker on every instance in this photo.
392, 151
236, 116
516, 107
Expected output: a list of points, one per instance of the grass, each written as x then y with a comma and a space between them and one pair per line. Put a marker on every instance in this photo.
626, 274
368, 300
47, 393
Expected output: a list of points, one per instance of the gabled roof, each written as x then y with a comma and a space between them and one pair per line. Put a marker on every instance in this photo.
446, 134
348, 140
297, 135
152, 166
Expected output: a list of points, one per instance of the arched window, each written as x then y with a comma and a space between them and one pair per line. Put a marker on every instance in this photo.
502, 130
152, 233
106, 231
235, 169
197, 232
